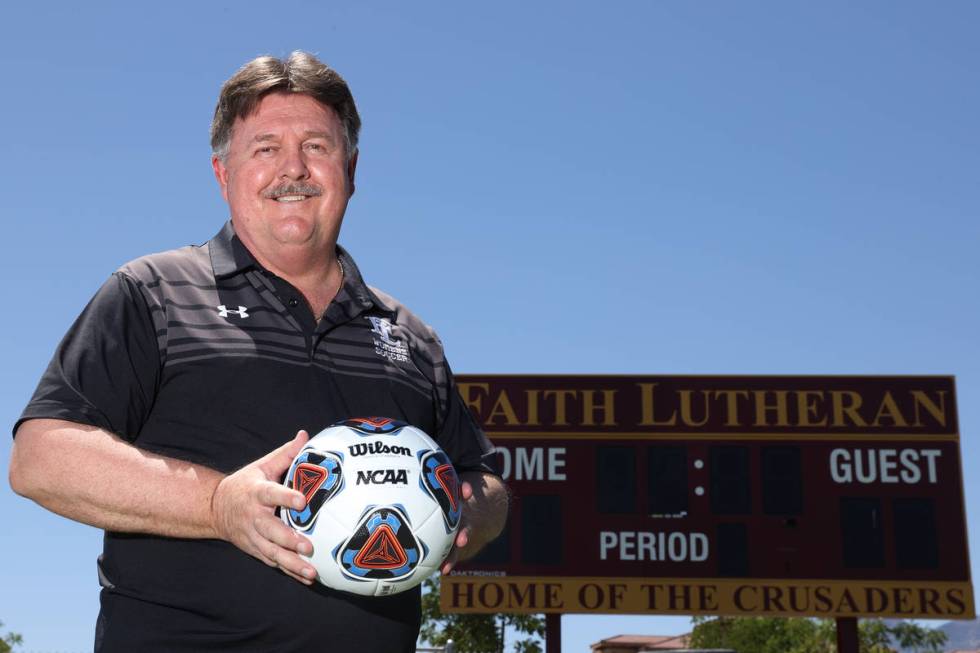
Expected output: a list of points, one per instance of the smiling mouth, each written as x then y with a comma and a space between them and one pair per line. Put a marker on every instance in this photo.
293, 192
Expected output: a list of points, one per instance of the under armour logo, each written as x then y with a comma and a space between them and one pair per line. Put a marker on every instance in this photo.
224, 311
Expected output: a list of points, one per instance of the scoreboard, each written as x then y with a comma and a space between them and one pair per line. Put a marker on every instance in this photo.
760, 495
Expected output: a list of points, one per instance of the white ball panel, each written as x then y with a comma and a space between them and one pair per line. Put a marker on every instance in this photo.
433, 533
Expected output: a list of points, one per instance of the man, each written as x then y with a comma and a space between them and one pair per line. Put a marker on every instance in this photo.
174, 396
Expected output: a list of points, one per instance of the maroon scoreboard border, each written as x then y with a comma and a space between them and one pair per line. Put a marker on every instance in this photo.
776, 495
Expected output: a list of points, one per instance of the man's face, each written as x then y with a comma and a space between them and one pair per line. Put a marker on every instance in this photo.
286, 176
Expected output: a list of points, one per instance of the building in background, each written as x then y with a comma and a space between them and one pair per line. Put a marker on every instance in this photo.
649, 643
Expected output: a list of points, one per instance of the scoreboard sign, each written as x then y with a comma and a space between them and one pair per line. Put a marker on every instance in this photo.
792, 496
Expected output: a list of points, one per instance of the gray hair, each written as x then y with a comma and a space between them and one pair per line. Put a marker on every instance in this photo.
302, 73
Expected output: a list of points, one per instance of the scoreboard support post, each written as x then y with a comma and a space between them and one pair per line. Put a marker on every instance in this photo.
847, 635
552, 632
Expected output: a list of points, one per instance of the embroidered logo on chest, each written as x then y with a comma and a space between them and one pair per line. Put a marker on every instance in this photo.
385, 344
224, 311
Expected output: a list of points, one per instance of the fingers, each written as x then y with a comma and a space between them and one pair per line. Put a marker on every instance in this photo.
462, 537
277, 461
274, 531
463, 534
287, 563
274, 495
279, 546
305, 581
449, 563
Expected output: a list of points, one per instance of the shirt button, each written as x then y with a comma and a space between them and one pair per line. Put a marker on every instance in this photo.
293, 302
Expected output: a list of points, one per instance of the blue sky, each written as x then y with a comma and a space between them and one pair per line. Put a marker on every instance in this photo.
636, 187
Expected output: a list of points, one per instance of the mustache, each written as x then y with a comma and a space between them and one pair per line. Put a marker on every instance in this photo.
292, 189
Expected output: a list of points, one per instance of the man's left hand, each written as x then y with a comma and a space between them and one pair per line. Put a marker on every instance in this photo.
485, 505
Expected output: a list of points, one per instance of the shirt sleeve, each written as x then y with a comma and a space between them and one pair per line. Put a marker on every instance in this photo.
106, 370
459, 434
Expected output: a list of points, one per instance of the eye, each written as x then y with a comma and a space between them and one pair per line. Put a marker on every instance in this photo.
265, 150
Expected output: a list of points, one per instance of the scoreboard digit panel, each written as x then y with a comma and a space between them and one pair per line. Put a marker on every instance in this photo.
734, 508
716, 481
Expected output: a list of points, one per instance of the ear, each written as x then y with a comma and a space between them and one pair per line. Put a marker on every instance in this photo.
351, 168
221, 174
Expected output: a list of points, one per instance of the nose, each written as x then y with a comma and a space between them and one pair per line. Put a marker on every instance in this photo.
293, 164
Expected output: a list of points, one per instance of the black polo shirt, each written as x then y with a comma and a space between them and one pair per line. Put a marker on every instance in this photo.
200, 354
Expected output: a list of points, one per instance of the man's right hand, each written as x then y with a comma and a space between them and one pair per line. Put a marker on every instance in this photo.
243, 511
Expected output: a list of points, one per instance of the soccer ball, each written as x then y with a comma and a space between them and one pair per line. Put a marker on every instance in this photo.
383, 505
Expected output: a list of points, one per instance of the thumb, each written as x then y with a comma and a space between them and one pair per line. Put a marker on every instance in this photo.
277, 461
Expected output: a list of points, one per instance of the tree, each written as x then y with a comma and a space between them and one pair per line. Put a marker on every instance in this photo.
774, 635
878, 636
9, 641
476, 633
761, 635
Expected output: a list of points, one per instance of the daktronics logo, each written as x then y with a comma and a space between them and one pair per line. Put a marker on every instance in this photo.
382, 477
378, 448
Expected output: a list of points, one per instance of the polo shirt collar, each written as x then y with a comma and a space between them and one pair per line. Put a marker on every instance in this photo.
229, 257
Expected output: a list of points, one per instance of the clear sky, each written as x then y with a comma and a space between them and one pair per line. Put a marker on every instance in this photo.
622, 187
